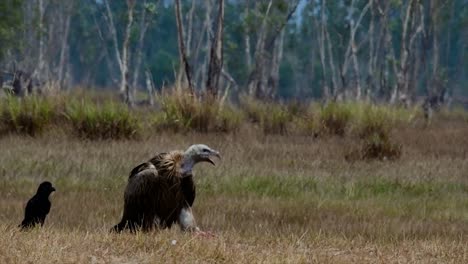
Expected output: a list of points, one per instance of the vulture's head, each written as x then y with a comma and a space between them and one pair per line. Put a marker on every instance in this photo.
199, 153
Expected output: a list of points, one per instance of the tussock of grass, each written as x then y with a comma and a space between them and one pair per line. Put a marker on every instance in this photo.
372, 121
96, 118
274, 118
29, 115
334, 119
183, 112
109, 121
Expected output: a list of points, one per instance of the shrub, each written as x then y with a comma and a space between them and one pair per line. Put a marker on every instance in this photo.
373, 120
183, 112
109, 121
275, 119
28, 115
375, 146
334, 119
229, 119
380, 147
255, 110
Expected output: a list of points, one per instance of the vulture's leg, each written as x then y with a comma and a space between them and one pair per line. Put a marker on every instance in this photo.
186, 220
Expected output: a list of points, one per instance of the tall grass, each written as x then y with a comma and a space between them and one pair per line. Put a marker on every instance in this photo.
334, 118
108, 121
30, 115
273, 118
181, 111
177, 111
373, 126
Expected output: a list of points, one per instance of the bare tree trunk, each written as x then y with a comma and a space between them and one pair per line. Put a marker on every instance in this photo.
248, 59
216, 55
356, 70
255, 78
326, 90
275, 65
370, 64
64, 46
435, 51
124, 55
112, 76
39, 73
205, 38
182, 51
258, 78
331, 62
113, 31
144, 23
351, 50
124, 87
402, 75
190, 28
149, 87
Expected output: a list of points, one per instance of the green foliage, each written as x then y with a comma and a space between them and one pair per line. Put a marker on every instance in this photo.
11, 13
29, 115
109, 121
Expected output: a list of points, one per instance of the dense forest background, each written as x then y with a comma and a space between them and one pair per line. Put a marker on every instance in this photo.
380, 50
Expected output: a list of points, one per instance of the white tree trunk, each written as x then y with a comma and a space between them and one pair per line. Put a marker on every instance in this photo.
64, 48
143, 28
124, 87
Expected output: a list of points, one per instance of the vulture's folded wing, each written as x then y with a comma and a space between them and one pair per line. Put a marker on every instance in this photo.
143, 179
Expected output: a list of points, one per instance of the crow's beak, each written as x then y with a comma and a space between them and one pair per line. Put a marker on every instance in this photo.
52, 189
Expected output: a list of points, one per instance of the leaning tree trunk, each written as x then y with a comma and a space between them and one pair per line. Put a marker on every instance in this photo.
182, 51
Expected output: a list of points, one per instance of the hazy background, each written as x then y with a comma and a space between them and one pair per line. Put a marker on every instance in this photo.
310, 54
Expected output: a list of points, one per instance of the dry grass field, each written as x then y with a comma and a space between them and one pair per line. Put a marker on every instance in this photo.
271, 199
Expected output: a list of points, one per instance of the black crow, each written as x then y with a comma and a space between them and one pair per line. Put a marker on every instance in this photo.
38, 206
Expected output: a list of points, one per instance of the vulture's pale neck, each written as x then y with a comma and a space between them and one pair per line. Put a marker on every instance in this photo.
187, 165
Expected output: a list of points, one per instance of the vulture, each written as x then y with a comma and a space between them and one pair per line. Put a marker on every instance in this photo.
161, 191
38, 206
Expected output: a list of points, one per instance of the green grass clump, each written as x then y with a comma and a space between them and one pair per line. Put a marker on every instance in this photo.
380, 147
109, 121
28, 115
334, 119
274, 118
373, 124
229, 119
373, 120
181, 111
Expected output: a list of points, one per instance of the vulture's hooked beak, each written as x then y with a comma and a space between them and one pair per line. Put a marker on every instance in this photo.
213, 154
